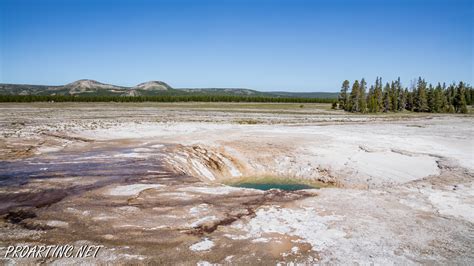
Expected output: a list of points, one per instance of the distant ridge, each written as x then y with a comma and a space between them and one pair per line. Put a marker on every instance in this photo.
89, 87
329, 95
223, 91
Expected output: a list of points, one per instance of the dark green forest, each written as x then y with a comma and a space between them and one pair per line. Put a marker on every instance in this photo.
161, 98
389, 97
393, 97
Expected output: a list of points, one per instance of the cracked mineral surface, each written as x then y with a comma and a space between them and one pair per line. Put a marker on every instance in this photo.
147, 181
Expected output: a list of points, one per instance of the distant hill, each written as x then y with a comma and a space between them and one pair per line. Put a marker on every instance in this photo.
248, 92
91, 87
328, 95
87, 87
225, 91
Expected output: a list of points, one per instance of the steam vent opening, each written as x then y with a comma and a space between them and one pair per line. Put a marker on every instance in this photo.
267, 183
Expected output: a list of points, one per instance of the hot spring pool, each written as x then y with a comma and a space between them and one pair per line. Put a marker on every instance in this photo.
267, 183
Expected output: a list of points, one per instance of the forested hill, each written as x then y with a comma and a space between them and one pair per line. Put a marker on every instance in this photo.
86, 87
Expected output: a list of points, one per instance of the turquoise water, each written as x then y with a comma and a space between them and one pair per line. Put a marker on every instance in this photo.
268, 186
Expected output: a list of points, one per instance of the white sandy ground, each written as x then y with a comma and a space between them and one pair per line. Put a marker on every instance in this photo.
341, 225
360, 226
368, 154
406, 216
131, 190
204, 245
457, 201
294, 222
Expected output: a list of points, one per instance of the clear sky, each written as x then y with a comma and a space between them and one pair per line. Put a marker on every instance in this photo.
292, 45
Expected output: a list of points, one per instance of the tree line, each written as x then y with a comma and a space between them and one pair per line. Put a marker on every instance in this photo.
161, 98
393, 97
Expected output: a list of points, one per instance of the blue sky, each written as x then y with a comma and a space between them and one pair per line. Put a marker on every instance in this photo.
292, 45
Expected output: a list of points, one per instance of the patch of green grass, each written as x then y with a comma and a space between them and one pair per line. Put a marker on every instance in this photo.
290, 108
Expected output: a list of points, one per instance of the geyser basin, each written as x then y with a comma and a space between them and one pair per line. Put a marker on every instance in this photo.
267, 183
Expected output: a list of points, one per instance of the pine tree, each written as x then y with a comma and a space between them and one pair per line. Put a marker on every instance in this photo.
387, 103
438, 103
450, 108
430, 95
469, 95
355, 96
343, 96
450, 93
421, 103
444, 99
378, 95
362, 99
401, 96
394, 96
409, 102
460, 105
464, 106
371, 102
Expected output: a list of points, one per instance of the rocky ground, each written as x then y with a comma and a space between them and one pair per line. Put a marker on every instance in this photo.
147, 181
